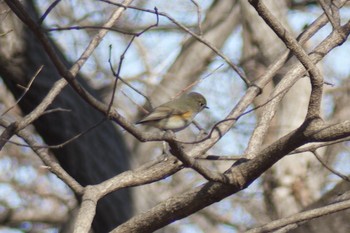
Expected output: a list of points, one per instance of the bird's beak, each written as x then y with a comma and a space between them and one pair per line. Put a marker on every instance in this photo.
206, 107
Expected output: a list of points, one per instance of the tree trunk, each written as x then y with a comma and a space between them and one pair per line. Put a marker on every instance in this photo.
94, 157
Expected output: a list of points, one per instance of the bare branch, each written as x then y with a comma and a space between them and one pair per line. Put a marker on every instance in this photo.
26, 89
290, 78
301, 217
148, 173
113, 29
315, 75
197, 81
47, 12
198, 37
220, 157
191, 162
317, 146
18, 9
332, 13
87, 211
243, 173
48, 160
117, 74
199, 17
318, 157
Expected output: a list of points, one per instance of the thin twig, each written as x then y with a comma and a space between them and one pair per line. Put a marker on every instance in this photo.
261, 129
47, 159
61, 144
301, 217
318, 157
122, 56
198, 81
198, 37
317, 146
26, 89
334, 19
220, 157
69, 75
216, 128
138, 105
47, 12
188, 161
56, 110
288, 39
199, 17
200, 128
91, 27
121, 79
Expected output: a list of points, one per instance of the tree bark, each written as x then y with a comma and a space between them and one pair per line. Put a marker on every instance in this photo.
94, 157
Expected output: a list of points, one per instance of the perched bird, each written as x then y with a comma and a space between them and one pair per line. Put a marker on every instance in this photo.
176, 114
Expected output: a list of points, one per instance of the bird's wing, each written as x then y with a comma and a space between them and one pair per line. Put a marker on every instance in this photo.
159, 113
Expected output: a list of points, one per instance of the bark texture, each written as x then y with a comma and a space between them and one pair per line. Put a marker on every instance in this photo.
96, 156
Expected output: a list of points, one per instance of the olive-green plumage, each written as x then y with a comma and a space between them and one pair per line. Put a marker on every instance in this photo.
176, 114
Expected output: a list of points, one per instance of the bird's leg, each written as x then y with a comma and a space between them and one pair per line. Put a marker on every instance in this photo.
202, 131
166, 149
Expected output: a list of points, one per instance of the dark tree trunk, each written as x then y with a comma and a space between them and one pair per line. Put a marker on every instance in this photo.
98, 155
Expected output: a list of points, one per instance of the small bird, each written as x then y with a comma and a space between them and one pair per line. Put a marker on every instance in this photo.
176, 114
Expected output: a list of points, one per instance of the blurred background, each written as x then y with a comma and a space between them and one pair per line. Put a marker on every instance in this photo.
162, 62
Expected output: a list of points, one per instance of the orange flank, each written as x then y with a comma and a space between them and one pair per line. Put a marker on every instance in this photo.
184, 116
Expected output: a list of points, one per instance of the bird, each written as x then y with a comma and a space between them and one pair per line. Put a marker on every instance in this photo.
177, 114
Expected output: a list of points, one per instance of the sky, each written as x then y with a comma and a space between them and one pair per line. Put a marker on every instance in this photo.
164, 48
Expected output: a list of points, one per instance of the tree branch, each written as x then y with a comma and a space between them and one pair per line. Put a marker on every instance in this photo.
301, 217
291, 43
18, 9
